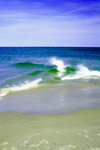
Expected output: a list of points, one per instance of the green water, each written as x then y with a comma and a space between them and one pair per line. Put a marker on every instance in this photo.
76, 131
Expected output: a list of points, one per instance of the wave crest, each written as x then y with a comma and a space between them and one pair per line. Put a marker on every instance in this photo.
82, 73
25, 86
30, 65
59, 63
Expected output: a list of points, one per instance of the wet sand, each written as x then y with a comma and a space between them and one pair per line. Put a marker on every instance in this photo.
76, 131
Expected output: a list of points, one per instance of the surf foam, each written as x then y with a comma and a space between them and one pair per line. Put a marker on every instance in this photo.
25, 86
82, 73
59, 63
60, 66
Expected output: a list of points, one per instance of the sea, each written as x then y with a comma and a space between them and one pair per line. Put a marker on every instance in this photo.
49, 98
49, 80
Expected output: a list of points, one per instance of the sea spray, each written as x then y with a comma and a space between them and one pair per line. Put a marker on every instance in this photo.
60, 65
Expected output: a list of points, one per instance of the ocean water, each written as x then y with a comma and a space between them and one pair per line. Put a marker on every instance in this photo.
43, 92
49, 80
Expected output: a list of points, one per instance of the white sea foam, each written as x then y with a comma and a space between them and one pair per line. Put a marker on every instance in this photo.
25, 86
59, 63
82, 73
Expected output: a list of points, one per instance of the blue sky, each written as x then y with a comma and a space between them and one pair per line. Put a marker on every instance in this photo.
50, 23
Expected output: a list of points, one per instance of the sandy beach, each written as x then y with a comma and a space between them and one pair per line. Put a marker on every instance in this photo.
76, 131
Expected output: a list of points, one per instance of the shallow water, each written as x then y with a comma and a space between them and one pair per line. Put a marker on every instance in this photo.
53, 99
78, 131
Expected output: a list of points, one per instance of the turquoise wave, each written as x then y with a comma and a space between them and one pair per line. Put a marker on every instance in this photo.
31, 65
24, 64
35, 73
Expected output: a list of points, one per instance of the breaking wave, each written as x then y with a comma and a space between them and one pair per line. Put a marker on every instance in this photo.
24, 86
56, 71
59, 63
82, 73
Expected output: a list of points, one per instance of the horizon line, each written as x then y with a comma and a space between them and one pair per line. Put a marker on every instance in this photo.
51, 46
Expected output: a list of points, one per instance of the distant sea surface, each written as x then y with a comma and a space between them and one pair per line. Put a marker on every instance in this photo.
49, 80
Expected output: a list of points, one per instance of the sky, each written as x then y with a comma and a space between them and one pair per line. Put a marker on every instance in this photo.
65, 23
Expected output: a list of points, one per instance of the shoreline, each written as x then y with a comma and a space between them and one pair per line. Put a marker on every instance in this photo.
52, 99
52, 115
